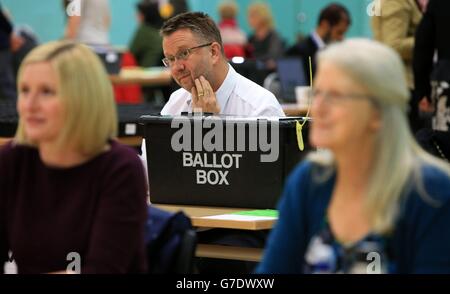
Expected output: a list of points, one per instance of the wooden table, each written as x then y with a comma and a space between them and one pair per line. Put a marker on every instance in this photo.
196, 214
145, 77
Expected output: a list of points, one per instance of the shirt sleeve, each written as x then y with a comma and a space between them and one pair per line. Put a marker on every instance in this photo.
118, 230
5, 25
285, 248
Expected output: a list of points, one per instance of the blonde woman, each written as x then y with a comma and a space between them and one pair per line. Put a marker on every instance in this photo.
68, 189
371, 200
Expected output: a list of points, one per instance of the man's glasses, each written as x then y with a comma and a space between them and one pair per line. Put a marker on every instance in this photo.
182, 55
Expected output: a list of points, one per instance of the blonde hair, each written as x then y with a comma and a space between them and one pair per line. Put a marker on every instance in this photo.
263, 11
85, 92
228, 10
398, 158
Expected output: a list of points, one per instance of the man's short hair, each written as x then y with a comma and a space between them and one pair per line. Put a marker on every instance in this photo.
334, 14
199, 23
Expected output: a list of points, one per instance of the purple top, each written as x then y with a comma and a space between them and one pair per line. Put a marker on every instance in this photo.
96, 209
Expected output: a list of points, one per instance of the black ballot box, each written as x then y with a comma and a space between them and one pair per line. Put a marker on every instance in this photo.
222, 161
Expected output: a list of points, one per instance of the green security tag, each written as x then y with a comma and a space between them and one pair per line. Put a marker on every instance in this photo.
299, 127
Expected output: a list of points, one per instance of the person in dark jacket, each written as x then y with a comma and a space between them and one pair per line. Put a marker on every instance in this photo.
431, 80
265, 44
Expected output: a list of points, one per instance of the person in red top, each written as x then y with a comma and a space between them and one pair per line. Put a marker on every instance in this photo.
68, 188
233, 38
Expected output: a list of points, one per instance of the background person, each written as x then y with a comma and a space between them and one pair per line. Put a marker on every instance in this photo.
265, 44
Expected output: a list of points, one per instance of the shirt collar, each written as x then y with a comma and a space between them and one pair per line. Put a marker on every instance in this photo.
318, 40
225, 90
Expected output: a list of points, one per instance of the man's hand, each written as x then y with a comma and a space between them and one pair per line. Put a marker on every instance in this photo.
203, 96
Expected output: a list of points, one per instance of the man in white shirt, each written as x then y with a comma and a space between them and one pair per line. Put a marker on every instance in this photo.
194, 53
